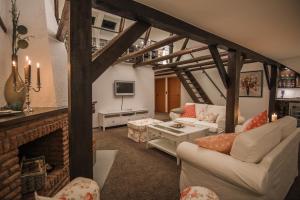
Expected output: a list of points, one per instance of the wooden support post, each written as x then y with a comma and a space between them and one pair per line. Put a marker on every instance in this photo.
56, 10
272, 95
80, 90
147, 35
107, 56
266, 69
220, 66
3, 26
232, 101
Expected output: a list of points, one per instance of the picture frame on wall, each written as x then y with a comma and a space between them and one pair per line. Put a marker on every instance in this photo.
251, 84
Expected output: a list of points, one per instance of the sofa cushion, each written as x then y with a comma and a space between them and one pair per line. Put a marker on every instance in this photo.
199, 108
288, 125
257, 121
189, 111
220, 142
220, 110
251, 146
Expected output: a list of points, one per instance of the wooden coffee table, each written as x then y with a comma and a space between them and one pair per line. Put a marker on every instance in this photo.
170, 138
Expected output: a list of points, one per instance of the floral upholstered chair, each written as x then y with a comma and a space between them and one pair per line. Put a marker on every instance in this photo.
78, 189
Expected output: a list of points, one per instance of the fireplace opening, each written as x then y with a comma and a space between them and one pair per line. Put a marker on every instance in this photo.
54, 149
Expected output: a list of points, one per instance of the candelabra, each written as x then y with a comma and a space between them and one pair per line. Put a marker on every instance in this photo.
28, 86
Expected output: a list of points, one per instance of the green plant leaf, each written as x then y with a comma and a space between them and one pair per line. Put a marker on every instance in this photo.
23, 44
22, 29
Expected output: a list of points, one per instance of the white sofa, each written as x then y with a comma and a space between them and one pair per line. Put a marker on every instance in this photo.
262, 164
218, 126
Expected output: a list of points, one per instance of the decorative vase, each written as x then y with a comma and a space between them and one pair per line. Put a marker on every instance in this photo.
15, 89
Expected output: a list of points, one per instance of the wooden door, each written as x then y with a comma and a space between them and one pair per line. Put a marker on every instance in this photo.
160, 95
173, 93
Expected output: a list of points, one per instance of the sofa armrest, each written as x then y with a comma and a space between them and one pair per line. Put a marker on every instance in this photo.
250, 176
174, 113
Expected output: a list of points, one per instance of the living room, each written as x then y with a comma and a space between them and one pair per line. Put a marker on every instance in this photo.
111, 99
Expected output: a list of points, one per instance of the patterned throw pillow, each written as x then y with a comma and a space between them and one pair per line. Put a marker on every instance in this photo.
198, 193
256, 121
189, 111
221, 142
211, 117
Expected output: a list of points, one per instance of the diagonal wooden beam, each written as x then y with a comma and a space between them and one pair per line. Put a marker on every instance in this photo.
267, 74
186, 41
173, 55
3, 26
151, 47
147, 35
183, 62
220, 66
116, 47
122, 24
64, 24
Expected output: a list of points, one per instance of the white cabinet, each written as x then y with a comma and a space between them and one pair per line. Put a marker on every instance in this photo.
121, 117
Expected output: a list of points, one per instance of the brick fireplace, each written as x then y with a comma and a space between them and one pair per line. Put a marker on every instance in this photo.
44, 132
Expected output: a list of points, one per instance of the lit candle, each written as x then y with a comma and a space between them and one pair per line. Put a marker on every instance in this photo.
274, 117
14, 67
29, 71
38, 75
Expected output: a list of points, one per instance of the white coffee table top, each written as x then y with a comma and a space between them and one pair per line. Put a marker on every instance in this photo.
179, 132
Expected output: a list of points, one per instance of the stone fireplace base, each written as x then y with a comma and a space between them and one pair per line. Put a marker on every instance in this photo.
44, 132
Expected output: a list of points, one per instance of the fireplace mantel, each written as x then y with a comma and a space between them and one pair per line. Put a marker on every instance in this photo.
48, 124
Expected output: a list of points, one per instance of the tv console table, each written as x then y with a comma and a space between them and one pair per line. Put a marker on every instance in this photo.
120, 117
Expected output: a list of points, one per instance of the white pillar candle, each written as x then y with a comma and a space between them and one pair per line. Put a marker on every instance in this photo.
274, 117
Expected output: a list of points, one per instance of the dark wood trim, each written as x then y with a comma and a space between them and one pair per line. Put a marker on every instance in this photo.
80, 90
2, 25
172, 55
267, 74
107, 56
186, 41
139, 12
272, 96
122, 25
56, 10
183, 62
219, 63
151, 47
172, 71
64, 23
232, 101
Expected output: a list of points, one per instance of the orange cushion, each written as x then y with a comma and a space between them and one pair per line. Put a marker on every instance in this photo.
189, 111
221, 142
257, 121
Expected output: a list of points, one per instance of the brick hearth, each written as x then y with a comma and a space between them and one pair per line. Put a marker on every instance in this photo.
42, 135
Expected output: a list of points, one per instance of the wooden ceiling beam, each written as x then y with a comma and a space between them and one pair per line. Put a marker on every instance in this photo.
139, 12
186, 41
64, 23
116, 47
2, 25
183, 62
267, 74
173, 55
151, 47
219, 63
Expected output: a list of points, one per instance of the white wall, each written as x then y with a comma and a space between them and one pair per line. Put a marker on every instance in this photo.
43, 48
103, 91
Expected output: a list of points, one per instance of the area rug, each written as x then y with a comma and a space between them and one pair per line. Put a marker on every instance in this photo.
102, 167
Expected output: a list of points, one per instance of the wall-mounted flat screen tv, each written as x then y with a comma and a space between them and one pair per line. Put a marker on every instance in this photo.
124, 88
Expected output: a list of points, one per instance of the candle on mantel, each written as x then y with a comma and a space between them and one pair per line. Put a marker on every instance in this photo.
38, 75
27, 70
14, 69
274, 117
